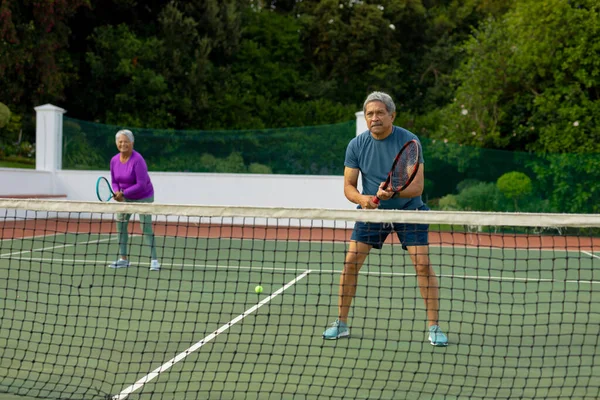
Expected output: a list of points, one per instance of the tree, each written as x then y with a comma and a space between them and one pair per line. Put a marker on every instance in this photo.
514, 185
356, 47
35, 65
449, 24
125, 74
530, 80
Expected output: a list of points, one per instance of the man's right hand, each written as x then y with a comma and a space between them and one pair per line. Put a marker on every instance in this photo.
366, 202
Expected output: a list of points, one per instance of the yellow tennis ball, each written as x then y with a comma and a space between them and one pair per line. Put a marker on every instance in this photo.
258, 289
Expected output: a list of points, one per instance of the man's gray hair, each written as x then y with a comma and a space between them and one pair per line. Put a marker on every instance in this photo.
125, 132
382, 97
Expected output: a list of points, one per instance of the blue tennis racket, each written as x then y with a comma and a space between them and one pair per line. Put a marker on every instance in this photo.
104, 190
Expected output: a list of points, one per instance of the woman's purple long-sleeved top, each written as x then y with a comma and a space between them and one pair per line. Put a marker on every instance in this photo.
132, 177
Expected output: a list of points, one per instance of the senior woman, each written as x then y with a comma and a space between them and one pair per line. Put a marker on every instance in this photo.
131, 183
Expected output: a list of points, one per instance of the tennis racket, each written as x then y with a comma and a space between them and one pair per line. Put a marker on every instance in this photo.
104, 190
404, 169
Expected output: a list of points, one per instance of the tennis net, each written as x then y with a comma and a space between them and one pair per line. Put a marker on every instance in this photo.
518, 300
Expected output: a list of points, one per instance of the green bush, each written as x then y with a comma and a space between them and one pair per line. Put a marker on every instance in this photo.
256, 168
233, 164
514, 186
17, 162
4, 115
480, 197
448, 203
13, 142
462, 185
208, 163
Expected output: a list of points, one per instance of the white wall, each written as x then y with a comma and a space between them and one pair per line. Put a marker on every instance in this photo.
218, 189
26, 181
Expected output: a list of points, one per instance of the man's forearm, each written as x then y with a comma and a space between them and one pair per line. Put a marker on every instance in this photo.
352, 194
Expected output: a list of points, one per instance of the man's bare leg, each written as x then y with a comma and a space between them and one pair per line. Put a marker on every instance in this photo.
355, 258
427, 281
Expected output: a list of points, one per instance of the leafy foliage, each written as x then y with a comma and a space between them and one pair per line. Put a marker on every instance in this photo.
479, 197
35, 65
77, 150
448, 203
13, 146
126, 63
476, 196
530, 85
514, 185
4, 115
570, 182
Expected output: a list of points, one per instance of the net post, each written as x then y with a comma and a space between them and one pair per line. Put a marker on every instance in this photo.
361, 123
48, 137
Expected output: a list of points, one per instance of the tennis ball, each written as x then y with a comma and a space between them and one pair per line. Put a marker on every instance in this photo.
258, 289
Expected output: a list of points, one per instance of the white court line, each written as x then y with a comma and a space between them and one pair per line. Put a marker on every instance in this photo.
516, 279
334, 271
51, 248
486, 278
141, 382
591, 254
31, 237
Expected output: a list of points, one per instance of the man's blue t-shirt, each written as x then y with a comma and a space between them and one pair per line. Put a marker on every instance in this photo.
374, 159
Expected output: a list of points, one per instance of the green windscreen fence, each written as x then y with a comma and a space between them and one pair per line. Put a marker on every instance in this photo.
457, 177
314, 150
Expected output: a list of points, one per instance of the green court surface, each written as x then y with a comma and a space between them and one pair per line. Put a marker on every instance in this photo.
521, 323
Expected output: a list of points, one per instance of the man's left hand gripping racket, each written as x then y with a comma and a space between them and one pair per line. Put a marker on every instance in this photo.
104, 190
404, 169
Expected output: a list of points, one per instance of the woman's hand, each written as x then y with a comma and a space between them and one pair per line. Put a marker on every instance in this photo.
119, 196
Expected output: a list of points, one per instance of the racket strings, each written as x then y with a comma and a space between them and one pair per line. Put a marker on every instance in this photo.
104, 190
405, 167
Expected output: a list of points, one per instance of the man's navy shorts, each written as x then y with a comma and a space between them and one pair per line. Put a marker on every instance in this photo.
375, 234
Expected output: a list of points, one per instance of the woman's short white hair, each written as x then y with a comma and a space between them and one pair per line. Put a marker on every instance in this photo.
125, 132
